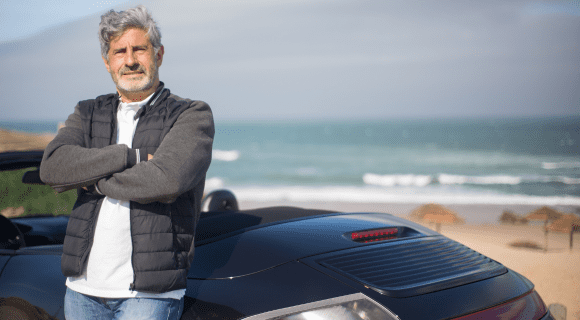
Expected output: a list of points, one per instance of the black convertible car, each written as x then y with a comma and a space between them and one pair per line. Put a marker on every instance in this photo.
272, 263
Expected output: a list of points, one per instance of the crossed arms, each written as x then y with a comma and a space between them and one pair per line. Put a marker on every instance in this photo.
179, 164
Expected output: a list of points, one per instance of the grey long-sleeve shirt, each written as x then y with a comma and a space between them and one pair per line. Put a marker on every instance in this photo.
179, 163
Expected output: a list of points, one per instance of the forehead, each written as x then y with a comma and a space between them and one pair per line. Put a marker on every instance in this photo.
131, 37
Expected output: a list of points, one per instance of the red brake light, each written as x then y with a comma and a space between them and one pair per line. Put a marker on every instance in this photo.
374, 235
529, 306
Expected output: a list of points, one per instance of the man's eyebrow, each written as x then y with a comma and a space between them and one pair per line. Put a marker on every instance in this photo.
144, 46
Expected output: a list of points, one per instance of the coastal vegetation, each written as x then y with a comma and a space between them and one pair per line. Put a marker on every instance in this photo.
19, 199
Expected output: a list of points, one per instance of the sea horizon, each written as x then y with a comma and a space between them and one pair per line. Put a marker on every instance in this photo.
491, 160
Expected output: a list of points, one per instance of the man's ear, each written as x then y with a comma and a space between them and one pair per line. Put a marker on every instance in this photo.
159, 56
106, 64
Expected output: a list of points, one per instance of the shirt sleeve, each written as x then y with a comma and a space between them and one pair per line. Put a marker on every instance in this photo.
68, 163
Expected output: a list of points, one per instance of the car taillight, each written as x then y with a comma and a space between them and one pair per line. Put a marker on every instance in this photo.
529, 306
355, 306
374, 235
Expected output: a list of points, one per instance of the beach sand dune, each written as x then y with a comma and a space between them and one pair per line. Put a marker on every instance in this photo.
555, 272
21, 141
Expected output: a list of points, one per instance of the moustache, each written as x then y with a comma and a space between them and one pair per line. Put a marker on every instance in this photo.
125, 70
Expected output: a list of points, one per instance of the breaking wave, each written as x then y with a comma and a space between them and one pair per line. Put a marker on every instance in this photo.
485, 180
380, 195
407, 180
397, 180
560, 165
213, 184
226, 155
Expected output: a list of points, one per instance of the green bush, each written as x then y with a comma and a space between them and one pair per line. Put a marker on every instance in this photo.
35, 199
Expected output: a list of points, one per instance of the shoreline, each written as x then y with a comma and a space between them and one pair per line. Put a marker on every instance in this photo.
554, 272
22, 141
474, 214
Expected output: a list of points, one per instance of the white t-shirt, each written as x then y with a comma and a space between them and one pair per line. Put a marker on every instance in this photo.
109, 272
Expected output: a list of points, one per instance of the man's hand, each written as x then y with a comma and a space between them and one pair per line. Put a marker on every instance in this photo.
92, 189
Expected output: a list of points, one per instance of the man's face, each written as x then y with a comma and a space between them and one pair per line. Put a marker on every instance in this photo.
133, 64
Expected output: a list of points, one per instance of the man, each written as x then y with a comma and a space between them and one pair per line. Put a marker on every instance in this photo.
138, 159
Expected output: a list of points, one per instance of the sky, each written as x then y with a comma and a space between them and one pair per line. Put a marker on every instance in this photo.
20, 19
309, 59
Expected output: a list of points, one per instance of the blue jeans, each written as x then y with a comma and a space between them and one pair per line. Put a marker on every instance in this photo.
78, 306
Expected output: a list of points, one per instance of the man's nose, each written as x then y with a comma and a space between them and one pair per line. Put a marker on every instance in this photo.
130, 60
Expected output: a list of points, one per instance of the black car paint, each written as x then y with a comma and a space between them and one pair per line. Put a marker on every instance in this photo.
276, 270
35, 277
275, 244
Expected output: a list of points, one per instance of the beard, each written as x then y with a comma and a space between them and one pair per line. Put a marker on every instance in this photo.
137, 84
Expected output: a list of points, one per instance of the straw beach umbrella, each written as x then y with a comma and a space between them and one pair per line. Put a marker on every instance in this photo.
510, 217
436, 213
568, 223
545, 214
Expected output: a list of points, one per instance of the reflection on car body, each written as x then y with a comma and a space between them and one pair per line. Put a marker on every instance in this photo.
279, 263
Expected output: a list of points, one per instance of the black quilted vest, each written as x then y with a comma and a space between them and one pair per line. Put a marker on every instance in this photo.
162, 233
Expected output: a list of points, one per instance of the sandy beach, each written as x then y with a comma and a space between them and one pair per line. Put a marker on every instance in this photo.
554, 271
20, 141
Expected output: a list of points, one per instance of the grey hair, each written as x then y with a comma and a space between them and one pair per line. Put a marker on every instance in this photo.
114, 24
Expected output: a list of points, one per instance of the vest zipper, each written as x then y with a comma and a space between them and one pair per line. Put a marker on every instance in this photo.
132, 284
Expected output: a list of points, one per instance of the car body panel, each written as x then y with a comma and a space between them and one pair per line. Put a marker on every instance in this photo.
283, 286
412, 267
448, 303
20, 159
295, 284
35, 278
268, 246
39, 230
279, 268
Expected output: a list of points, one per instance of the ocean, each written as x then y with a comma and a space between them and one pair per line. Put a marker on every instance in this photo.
477, 161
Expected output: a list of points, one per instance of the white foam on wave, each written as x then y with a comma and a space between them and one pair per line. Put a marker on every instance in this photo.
213, 183
567, 180
549, 179
410, 180
484, 180
560, 165
448, 179
225, 155
397, 180
402, 195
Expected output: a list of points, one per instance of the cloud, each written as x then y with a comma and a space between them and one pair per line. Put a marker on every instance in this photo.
553, 7
20, 19
323, 59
